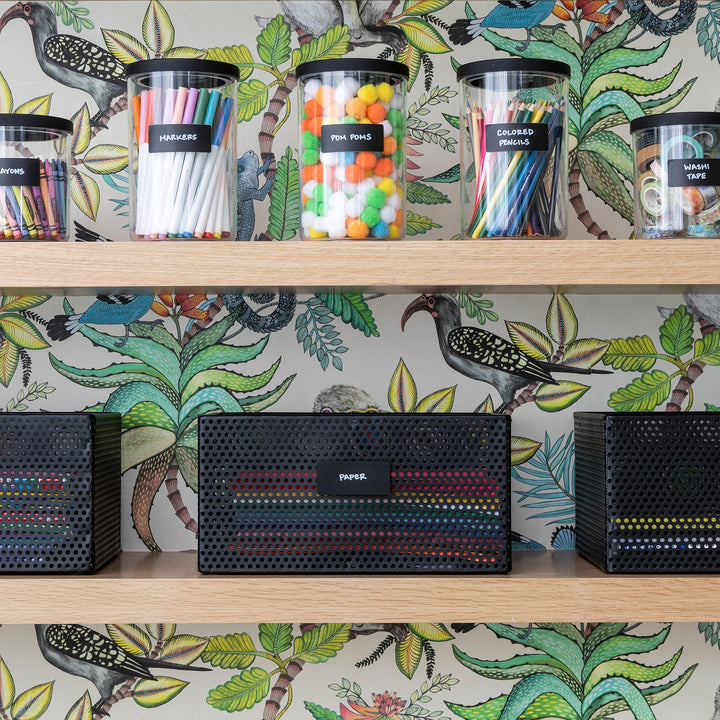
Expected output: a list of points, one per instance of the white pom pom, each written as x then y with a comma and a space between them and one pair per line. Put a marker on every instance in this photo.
354, 206
312, 86
337, 230
352, 85
387, 128
387, 214
396, 101
394, 201
321, 224
307, 219
337, 200
331, 158
343, 93
308, 188
366, 185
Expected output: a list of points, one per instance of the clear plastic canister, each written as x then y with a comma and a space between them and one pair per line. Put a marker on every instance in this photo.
183, 127
34, 176
514, 148
352, 148
677, 175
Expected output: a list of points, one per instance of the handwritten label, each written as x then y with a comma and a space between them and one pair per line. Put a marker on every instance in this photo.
694, 173
511, 137
353, 137
353, 477
179, 138
19, 171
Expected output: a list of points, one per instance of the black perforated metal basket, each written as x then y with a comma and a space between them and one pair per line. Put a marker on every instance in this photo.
59, 491
648, 492
377, 493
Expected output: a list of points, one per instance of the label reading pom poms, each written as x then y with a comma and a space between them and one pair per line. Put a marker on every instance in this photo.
351, 137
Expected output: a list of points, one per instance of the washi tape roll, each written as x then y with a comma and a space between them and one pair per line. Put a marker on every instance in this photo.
658, 170
710, 195
711, 215
646, 155
692, 200
695, 149
707, 139
653, 197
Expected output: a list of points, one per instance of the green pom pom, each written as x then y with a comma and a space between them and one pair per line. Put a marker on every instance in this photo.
398, 158
376, 198
310, 141
399, 134
311, 206
370, 216
320, 192
349, 120
310, 157
395, 117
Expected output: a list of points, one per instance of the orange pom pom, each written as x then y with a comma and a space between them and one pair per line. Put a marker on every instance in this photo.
389, 145
313, 108
356, 108
315, 125
366, 160
357, 229
312, 172
325, 95
399, 218
376, 112
334, 110
354, 173
384, 167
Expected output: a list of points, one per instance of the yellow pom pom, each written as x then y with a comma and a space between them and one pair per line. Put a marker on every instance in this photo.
368, 94
387, 186
385, 92
366, 121
315, 234
394, 231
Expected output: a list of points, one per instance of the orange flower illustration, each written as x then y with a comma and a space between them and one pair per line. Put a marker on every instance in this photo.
588, 8
180, 305
387, 705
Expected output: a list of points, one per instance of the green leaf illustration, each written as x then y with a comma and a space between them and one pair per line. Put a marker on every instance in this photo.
676, 333
7, 686
85, 194
402, 392
707, 349
124, 46
241, 691
183, 648
321, 713
284, 209
9, 357
604, 181
131, 638
229, 380
529, 340
238, 55
637, 672
157, 28
276, 638
633, 354
252, 98
32, 703
437, 632
560, 320
421, 34
81, 710
322, 642
418, 224
553, 398
613, 148
420, 193
332, 44
522, 449
353, 309
20, 331
440, 401
215, 355
230, 651
408, 653
423, 7
153, 693
273, 42
643, 394
106, 159
22, 302
584, 353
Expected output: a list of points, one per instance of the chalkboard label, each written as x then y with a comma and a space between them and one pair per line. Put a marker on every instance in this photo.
694, 173
511, 137
19, 171
353, 477
353, 137
179, 138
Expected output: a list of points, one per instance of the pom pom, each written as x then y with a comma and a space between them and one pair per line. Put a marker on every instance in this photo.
375, 198
366, 185
354, 206
387, 214
385, 92
337, 199
310, 141
384, 167
366, 160
381, 230
387, 186
356, 108
325, 95
387, 128
370, 216
394, 201
307, 219
368, 94
309, 157
312, 86
357, 229
354, 174
376, 112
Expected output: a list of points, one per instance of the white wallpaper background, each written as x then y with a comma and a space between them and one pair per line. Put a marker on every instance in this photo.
370, 361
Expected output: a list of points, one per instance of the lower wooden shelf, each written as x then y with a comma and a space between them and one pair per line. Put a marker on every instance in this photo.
543, 587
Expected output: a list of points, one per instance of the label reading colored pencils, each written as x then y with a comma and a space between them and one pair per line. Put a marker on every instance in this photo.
693, 173
512, 137
353, 477
351, 137
19, 171
179, 138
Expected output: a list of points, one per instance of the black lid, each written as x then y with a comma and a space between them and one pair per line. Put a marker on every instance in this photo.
315, 67
26, 120
476, 70
678, 118
214, 67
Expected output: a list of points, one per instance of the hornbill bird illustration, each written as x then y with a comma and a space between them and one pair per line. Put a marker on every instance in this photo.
79, 650
69, 59
482, 355
106, 310
506, 14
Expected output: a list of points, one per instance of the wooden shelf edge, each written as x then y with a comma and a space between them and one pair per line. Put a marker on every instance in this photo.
553, 586
516, 265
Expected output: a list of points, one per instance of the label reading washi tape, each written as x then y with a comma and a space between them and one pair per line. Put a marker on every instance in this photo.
693, 173
353, 477
19, 171
351, 138
511, 137
179, 138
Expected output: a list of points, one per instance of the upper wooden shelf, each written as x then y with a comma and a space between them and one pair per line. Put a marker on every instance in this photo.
407, 265
553, 586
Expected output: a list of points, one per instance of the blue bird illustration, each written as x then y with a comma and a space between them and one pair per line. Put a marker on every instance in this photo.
106, 310
506, 14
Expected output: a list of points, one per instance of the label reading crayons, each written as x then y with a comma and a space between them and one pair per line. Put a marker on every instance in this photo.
511, 137
19, 171
179, 138
693, 173
351, 137
353, 477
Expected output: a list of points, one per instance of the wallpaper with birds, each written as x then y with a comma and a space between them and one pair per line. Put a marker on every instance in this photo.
162, 360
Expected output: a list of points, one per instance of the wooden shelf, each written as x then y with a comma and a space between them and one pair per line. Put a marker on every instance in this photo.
408, 265
553, 586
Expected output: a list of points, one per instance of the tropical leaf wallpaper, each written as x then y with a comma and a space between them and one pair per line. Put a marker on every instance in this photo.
162, 361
